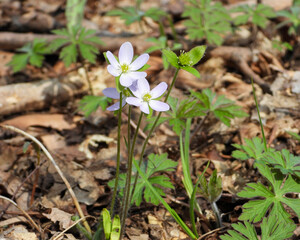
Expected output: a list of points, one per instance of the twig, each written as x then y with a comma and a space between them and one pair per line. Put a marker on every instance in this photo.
19, 187
48, 155
25, 213
73, 225
206, 234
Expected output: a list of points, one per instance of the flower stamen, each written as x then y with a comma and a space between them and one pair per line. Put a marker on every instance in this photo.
147, 97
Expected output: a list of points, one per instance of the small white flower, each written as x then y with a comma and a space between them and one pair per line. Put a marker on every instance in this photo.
144, 98
125, 68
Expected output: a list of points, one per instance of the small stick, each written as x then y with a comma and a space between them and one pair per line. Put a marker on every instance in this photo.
25, 213
48, 155
73, 225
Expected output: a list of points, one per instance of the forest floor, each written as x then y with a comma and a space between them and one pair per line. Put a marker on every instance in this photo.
44, 103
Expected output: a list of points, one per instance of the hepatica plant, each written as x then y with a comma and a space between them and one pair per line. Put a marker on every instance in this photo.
133, 88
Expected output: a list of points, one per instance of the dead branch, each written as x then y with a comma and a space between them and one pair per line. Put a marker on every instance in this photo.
240, 57
36, 95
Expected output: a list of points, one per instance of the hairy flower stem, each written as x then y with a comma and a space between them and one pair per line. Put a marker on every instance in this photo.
127, 192
151, 131
217, 213
112, 206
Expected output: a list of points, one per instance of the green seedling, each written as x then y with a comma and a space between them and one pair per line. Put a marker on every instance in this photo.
292, 19
31, 53
271, 229
208, 20
258, 14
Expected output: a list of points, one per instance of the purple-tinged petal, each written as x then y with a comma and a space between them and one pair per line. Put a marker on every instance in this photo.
159, 106
134, 101
139, 62
143, 86
126, 80
112, 60
137, 75
114, 71
111, 93
158, 90
126, 53
134, 86
114, 107
145, 107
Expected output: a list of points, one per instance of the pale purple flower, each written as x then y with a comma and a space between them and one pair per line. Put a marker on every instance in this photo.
145, 98
125, 68
114, 94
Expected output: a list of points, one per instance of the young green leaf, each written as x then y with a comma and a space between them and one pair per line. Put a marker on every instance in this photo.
106, 223
89, 104
253, 148
223, 108
33, 53
286, 162
212, 189
156, 164
271, 229
76, 42
273, 196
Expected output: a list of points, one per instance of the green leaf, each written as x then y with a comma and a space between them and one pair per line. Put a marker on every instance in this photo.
116, 228
88, 52
69, 54
273, 198
223, 108
271, 229
253, 148
171, 57
294, 135
89, 104
196, 54
106, 223
212, 189
191, 70
156, 164
32, 53
286, 162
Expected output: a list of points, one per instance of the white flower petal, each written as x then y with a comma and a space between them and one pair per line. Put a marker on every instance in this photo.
143, 86
126, 80
137, 75
134, 101
139, 62
111, 93
145, 107
126, 53
134, 86
114, 71
112, 60
159, 106
158, 90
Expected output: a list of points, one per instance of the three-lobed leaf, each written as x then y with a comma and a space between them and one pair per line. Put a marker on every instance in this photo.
156, 164
273, 197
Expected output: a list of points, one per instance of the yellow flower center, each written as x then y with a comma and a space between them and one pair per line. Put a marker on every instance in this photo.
124, 68
147, 97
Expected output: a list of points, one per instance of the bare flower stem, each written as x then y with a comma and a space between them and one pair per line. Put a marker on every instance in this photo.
127, 193
112, 206
151, 131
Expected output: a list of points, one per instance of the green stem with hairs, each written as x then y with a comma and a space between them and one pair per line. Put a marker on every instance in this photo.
151, 131
127, 192
118, 157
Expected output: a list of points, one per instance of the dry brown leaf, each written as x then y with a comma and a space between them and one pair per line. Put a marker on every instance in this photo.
60, 216
19, 232
55, 121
